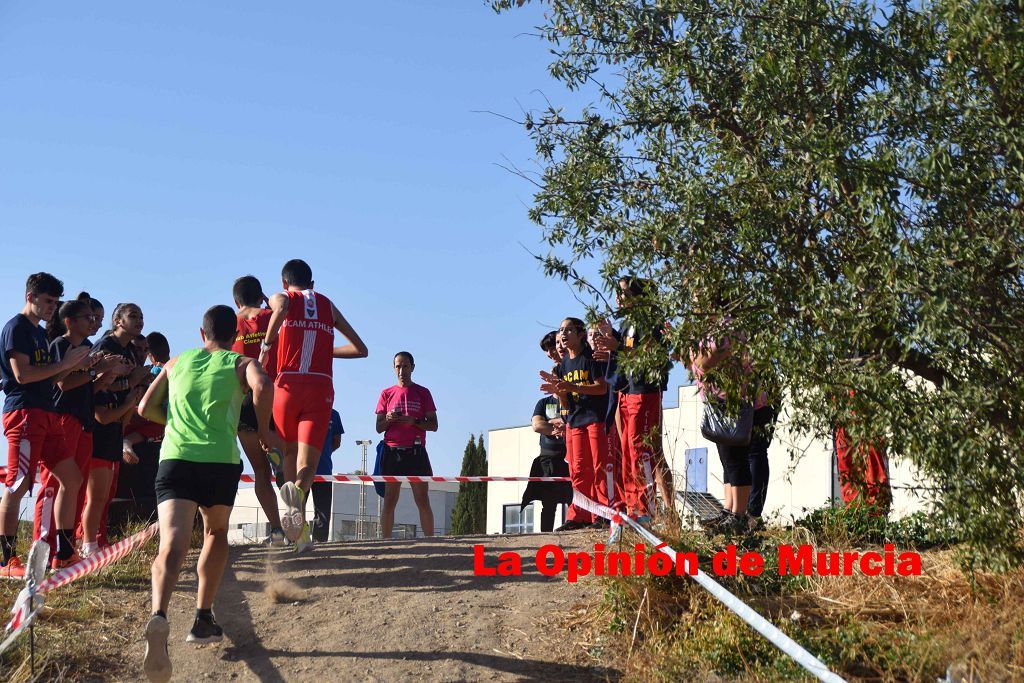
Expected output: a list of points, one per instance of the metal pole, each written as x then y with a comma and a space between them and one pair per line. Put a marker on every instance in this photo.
361, 518
32, 631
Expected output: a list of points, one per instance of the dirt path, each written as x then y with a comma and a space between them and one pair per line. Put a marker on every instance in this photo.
386, 611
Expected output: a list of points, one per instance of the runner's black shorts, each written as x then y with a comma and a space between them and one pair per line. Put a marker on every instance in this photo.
247, 416
205, 483
411, 461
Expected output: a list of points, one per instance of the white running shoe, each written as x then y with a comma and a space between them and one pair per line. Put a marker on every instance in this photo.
305, 543
293, 518
157, 662
276, 539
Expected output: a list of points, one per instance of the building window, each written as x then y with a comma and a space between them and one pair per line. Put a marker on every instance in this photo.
514, 522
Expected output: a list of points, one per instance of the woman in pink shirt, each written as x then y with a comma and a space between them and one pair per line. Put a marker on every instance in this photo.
405, 413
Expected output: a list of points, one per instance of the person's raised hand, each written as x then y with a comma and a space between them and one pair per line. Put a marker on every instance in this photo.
605, 341
76, 358
122, 366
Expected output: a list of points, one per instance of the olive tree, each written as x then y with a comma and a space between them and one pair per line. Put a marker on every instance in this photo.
836, 186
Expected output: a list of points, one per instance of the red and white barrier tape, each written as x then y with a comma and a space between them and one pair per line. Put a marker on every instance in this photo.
30, 600
101, 559
415, 480
812, 664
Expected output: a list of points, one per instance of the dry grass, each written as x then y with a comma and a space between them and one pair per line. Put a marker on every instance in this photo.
86, 627
865, 628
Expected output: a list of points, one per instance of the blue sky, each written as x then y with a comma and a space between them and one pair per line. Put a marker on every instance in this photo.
153, 152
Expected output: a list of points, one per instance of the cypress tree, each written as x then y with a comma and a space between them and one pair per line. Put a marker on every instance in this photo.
469, 516
462, 513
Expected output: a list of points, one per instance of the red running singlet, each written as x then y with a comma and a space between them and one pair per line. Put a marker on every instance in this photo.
251, 332
305, 347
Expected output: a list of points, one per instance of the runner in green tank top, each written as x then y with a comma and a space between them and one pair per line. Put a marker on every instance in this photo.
198, 396
205, 397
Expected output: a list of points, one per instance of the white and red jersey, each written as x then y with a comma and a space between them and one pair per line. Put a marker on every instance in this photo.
305, 346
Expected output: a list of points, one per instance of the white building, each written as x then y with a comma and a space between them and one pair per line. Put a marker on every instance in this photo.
803, 472
350, 499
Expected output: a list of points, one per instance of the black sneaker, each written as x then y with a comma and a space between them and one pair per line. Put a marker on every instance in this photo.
205, 631
714, 523
600, 524
572, 525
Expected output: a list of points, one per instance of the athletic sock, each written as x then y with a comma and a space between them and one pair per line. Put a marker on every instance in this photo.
204, 614
65, 543
7, 545
159, 613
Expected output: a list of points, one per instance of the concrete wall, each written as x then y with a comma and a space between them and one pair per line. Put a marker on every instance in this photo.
248, 523
802, 470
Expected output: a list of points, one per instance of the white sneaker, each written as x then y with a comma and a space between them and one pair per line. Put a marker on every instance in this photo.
305, 543
293, 518
276, 539
157, 662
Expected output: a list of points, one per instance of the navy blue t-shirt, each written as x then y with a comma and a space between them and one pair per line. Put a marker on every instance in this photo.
631, 339
326, 465
78, 401
22, 336
548, 409
584, 409
107, 439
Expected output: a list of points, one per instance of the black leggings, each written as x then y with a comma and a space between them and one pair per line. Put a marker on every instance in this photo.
748, 465
322, 492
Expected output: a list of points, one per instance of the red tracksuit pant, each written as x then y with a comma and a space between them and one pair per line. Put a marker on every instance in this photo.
587, 451
641, 438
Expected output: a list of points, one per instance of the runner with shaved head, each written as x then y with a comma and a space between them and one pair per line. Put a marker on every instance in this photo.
198, 395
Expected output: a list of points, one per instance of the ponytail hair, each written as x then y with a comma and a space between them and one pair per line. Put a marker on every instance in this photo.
55, 327
120, 311
69, 309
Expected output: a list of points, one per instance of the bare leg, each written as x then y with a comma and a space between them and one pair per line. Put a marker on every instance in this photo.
66, 500
176, 520
420, 495
729, 497
291, 456
261, 474
9, 505
663, 479
307, 458
740, 496
96, 492
214, 557
387, 516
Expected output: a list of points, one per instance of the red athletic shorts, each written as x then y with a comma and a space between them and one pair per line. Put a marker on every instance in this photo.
33, 434
302, 411
78, 442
